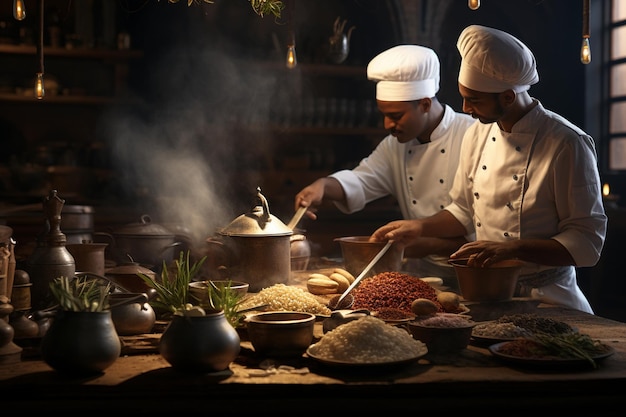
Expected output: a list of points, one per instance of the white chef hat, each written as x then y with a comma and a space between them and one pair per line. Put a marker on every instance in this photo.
493, 61
405, 73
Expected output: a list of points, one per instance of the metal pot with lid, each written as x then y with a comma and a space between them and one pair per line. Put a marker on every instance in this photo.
257, 248
145, 242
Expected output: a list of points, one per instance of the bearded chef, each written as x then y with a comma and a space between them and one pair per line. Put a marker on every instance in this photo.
415, 163
527, 183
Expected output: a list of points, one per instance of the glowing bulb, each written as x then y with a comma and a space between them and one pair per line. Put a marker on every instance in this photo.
473, 4
39, 90
606, 190
291, 56
19, 12
585, 51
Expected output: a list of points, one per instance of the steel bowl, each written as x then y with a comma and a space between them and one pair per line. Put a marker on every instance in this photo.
487, 284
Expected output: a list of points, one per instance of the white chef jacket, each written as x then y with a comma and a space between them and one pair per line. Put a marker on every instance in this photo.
540, 181
418, 175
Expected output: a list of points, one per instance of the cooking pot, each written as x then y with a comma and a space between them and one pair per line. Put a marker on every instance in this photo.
126, 277
145, 242
254, 248
131, 313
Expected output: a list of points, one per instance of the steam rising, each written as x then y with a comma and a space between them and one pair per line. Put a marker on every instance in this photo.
184, 150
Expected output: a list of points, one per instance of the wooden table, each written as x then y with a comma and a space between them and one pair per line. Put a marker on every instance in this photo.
471, 381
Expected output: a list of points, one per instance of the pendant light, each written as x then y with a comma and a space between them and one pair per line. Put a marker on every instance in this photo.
585, 50
19, 11
292, 60
39, 84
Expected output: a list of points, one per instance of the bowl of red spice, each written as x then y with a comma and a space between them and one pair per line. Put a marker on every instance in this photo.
442, 332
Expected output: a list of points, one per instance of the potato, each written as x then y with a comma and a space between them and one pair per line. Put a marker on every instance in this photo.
449, 300
343, 282
321, 286
423, 307
345, 274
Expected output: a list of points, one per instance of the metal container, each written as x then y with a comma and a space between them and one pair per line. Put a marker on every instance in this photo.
490, 284
358, 251
280, 333
257, 247
145, 242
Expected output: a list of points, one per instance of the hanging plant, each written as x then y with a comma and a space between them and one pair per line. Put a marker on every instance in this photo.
260, 7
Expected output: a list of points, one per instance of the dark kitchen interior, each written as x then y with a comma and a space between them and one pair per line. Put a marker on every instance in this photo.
200, 111
181, 111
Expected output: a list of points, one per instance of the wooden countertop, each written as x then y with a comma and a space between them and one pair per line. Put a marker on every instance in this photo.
473, 380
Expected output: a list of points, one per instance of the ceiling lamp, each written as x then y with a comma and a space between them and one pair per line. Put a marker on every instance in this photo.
19, 12
473, 4
585, 50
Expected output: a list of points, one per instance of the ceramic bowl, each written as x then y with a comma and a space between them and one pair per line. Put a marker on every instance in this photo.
490, 284
442, 332
280, 333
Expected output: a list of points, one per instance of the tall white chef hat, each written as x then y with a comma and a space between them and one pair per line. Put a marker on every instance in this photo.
405, 73
493, 61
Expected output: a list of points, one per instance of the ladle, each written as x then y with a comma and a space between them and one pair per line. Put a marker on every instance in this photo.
296, 217
334, 305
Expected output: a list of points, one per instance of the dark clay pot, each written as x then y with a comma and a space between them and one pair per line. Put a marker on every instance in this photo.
81, 343
200, 344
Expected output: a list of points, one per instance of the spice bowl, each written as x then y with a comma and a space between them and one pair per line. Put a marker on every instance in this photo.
487, 284
442, 332
280, 333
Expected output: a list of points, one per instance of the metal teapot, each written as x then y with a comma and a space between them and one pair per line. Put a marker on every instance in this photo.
339, 42
253, 248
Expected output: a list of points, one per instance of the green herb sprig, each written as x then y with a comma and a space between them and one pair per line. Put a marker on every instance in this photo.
81, 293
570, 345
224, 297
173, 287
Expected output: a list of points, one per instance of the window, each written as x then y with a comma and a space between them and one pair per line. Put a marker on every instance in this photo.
617, 87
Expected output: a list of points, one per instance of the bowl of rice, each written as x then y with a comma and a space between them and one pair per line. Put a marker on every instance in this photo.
369, 342
442, 332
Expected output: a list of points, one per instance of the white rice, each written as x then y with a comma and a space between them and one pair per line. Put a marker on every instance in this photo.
281, 297
368, 340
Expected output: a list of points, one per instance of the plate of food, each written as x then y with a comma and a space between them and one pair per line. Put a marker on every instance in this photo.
346, 363
513, 326
571, 351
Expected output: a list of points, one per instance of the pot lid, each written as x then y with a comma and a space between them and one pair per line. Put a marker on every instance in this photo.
259, 222
129, 268
144, 229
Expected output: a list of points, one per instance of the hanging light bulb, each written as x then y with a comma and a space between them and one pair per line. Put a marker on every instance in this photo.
585, 50
19, 12
473, 4
292, 61
39, 90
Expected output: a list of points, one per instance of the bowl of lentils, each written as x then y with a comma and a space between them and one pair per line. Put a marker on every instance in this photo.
442, 332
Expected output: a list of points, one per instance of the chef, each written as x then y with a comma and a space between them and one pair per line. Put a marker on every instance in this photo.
415, 163
528, 183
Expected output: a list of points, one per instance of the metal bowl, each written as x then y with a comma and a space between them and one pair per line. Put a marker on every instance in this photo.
280, 333
489, 284
358, 251
199, 289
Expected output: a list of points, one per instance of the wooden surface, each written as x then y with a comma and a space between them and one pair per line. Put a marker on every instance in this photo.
144, 382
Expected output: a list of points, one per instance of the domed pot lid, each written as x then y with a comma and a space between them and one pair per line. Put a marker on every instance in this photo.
259, 222
145, 228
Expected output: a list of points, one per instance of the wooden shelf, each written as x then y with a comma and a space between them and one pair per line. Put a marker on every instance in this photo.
106, 54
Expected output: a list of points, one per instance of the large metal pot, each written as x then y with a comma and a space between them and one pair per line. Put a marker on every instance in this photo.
255, 248
146, 243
